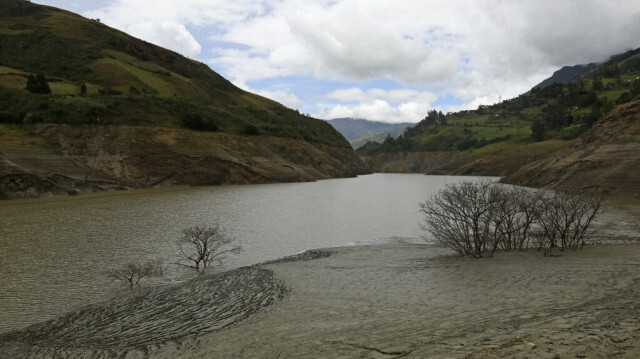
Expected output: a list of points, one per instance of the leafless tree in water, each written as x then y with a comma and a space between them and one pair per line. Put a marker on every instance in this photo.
566, 218
133, 272
202, 245
460, 215
474, 218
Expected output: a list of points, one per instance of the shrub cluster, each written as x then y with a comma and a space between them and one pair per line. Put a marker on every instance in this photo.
476, 218
194, 121
10, 117
38, 84
133, 272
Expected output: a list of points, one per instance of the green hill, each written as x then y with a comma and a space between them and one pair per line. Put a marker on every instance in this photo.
62, 75
498, 139
128, 81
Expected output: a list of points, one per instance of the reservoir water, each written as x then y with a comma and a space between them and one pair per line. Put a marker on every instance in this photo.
54, 252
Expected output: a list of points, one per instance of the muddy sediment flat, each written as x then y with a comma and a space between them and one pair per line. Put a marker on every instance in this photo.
381, 301
149, 317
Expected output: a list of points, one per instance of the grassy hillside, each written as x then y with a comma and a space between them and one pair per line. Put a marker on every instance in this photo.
99, 75
84, 107
554, 113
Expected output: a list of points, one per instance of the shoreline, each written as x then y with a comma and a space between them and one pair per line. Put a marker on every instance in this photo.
409, 300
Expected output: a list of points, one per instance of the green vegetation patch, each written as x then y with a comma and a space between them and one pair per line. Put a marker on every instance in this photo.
64, 88
523, 144
127, 81
151, 81
4, 70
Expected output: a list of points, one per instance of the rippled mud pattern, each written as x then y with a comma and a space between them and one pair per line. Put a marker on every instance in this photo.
151, 317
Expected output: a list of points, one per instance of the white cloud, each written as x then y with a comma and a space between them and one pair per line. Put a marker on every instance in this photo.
396, 105
475, 51
355, 94
376, 110
163, 22
348, 40
168, 34
203, 13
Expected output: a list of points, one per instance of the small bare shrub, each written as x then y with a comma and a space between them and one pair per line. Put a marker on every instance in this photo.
133, 272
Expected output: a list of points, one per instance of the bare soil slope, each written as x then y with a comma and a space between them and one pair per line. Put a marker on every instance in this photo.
62, 159
499, 159
606, 156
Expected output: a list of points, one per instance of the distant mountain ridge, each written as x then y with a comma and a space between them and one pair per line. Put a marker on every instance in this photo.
360, 131
565, 75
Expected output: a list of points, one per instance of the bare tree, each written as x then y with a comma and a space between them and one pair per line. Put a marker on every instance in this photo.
517, 210
473, 218
505, 221
460, 216
528, 205
566, 218
133, 272
590, 209
202, 245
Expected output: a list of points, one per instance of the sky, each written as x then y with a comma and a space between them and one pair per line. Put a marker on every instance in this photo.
382, 60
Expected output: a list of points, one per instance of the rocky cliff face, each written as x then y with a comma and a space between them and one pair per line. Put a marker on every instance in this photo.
98, 158
607, 156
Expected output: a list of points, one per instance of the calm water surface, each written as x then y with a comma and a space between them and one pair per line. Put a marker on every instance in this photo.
54, 252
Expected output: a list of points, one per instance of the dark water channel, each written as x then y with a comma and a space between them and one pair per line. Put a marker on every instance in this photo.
54, 252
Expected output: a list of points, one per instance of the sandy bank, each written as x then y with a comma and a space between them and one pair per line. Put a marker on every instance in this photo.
386, 301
